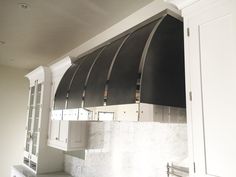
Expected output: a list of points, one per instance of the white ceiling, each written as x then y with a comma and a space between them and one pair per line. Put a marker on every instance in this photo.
50, 28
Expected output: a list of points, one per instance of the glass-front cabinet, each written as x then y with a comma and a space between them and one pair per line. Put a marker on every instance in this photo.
33, 125
38, 157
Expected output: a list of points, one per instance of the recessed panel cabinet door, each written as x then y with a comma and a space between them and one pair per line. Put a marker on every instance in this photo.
54, 129
212, 66
63, 133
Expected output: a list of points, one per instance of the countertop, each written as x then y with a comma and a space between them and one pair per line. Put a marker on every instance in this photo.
27, 173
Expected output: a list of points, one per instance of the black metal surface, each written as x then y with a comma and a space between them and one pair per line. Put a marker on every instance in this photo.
122, 83
63, 87
94, 93
78, 84
163, 78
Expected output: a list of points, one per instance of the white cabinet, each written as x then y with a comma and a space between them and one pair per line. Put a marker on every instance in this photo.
68, 135
37, 156
210, 45
64, 133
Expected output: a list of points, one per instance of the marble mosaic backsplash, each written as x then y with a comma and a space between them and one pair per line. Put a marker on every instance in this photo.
129, 149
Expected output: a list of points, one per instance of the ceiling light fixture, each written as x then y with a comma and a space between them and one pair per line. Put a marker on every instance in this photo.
24, 5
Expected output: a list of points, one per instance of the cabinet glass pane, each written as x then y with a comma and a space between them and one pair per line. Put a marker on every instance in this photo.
27, 143
30, 111
27, 146
35, 139
36, 124
37, 111
33, 165
39, 87
26, 161
34, 150
38, 98
32, 95
29, 124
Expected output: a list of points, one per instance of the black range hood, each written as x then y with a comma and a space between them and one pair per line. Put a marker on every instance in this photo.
145, 66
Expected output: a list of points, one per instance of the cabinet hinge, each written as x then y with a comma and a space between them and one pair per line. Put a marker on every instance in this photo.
188, 32
190, 96
194, 167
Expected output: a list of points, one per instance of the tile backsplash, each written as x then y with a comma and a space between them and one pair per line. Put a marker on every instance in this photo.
129, 149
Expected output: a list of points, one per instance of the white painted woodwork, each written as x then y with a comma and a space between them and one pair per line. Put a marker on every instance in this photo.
57, 71
57, 114
38, 153
68, 135
123, 112
180, 4
127, 112
64, 131
40, 74
70, 114
54, 129
210, 52
146, 112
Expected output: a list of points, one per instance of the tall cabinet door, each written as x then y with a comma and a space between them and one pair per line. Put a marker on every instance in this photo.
36, 119
33, 124
211, 62
29, 124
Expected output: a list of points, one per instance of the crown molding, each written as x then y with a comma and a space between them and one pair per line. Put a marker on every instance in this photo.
181, 4
65, 62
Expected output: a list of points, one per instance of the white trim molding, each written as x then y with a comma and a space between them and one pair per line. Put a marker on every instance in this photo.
39, 74
181, 4
60, 65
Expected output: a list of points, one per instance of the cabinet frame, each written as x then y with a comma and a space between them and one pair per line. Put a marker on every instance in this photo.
195, 15
40, 158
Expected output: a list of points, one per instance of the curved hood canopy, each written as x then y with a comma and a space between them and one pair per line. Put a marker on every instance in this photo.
145, 66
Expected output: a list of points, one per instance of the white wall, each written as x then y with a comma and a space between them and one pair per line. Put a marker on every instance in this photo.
13, 105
